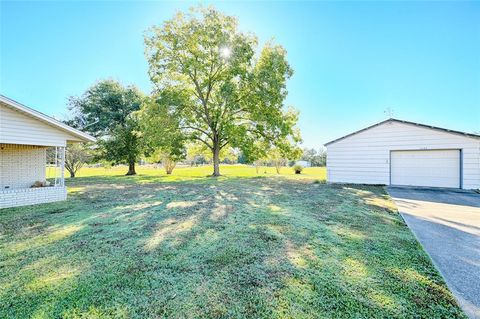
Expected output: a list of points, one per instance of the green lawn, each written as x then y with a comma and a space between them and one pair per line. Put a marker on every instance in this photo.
187, 246
189, 173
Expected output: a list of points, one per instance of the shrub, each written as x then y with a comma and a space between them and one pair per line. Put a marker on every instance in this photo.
298, 169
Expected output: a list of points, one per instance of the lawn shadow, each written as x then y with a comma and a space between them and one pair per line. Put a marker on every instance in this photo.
228, 247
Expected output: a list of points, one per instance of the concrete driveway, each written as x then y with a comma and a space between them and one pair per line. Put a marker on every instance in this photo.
447, 224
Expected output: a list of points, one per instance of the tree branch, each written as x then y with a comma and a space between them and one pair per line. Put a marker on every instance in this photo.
203, 141
223, 145
197, 129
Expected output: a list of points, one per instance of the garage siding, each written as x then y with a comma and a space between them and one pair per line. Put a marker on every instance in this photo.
364, 157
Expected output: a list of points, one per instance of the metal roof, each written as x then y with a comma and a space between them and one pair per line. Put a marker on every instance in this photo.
405, 122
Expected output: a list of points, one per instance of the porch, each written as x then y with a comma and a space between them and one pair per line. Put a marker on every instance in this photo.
31, 196
31, 174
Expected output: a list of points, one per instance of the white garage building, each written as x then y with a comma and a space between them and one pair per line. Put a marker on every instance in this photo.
396, 152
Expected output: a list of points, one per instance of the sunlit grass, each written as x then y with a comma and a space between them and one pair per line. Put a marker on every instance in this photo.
240, 246
43, 239
187, 173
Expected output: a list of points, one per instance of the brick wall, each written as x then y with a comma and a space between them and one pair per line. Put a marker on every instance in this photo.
31, 196
21, 165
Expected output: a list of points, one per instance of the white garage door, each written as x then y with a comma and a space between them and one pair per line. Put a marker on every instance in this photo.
436, 168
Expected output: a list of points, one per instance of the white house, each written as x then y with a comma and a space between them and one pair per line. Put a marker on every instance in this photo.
395, 152
25, 135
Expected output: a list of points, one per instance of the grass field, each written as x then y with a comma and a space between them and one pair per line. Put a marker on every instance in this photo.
240, 246
188, 173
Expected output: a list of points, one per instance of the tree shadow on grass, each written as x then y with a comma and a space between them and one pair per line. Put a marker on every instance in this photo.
236, 247
149, 179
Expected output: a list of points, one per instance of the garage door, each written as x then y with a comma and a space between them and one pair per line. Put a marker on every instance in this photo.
436, 168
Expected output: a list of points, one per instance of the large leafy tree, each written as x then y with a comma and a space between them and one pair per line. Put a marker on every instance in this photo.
226, 93
106, 110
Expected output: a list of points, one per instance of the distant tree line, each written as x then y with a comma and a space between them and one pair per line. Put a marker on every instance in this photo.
316, 158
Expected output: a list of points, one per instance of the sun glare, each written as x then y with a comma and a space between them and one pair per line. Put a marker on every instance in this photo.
225, 52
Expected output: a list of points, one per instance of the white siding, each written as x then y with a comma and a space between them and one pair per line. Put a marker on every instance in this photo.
19, 128
364, 157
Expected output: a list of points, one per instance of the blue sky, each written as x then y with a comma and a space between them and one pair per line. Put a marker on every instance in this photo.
352, 60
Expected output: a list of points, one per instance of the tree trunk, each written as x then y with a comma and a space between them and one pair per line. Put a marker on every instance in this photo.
168, 164
72, 174
278, 166
131, 168
216, 161
257, 165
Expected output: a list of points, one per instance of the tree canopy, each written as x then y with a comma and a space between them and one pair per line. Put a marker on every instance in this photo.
106, 110
220, 89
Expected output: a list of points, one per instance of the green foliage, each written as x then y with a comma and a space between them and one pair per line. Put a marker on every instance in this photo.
279, 154
104, 106
124, 145
315, 158
221, 91
200, 154
308, 154
297, 169
106, 110
197, 154
161, 131
168, 160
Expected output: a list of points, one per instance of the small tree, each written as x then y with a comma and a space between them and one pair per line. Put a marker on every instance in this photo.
169, 164
283, 150
168, 160
279, 163
76, 156
258, 163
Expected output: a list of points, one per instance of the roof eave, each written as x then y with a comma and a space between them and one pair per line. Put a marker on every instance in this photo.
83, 137
475, 136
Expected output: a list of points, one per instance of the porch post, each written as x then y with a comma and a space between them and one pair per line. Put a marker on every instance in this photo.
56, 166
62, 166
